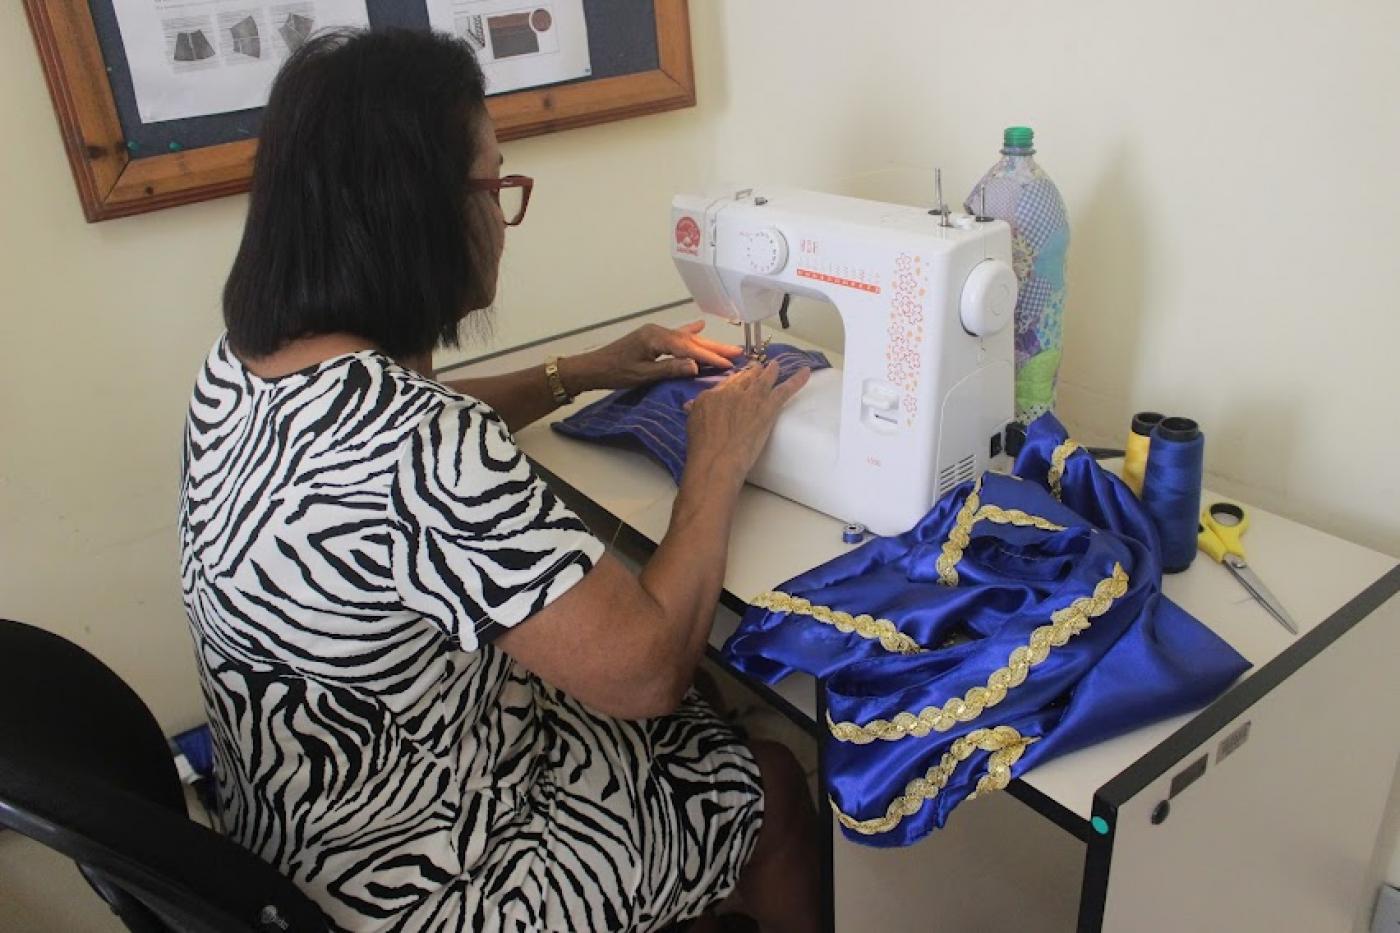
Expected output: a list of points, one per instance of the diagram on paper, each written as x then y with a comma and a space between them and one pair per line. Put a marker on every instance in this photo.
241, 36
519, 44
187, 44
293, 23
190, 58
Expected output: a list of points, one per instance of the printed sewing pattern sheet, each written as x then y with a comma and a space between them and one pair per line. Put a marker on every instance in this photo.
193, 58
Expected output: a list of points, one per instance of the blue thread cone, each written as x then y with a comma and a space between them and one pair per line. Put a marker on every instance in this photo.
1171, 488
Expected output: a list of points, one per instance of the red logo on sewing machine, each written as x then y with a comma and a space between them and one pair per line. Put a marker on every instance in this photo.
688, 236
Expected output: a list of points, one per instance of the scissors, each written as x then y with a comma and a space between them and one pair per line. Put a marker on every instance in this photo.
1218, 534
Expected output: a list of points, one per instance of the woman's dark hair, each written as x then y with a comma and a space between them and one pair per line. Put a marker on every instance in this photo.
360, 220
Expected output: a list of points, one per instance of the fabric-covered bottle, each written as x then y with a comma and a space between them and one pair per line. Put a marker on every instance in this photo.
1018, 191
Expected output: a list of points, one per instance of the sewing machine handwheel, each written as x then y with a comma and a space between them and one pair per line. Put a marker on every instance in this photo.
988, 298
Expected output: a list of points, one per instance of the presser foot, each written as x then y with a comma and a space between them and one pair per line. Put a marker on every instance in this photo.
755, 344
757, 354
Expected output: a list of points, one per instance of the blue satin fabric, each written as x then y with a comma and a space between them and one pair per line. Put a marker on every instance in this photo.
652, 418
1142, 660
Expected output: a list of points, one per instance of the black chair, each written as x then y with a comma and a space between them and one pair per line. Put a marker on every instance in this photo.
85, 770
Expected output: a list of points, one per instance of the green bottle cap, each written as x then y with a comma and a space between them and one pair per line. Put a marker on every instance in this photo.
1018, 137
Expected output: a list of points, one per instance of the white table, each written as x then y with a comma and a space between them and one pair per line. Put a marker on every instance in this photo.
1317, 576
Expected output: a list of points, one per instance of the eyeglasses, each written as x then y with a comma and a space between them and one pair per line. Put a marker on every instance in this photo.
511, 193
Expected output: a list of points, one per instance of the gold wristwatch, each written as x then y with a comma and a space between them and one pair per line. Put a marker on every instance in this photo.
556, 385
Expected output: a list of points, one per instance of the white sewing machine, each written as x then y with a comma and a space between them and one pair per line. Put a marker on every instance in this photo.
926, 300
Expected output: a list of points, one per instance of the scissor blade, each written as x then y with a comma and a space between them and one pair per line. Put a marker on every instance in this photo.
1250, 581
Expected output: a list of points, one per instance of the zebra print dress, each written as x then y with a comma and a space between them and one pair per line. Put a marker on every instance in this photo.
353, 537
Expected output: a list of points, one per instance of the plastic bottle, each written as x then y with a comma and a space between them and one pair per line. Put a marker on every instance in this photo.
1018, 191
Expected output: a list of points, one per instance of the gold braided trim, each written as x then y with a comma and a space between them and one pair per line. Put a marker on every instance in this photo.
1006, 745
959, 537
1057, 466
961, 534
1064, 624
1000, 516
999, 768
883, 630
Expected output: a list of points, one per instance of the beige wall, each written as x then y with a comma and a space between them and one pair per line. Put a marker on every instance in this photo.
1231, 175
1230, 171
100, 334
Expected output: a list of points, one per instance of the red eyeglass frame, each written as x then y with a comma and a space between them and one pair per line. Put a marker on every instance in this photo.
493, 186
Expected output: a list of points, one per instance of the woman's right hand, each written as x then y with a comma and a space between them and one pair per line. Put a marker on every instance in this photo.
627, 645
730, 423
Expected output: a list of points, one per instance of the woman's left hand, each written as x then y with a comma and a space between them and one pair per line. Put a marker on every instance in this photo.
648, 354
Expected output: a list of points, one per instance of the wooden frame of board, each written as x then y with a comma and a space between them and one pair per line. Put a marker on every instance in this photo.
112, 184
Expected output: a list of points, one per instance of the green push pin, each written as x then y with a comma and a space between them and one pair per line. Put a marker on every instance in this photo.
132, 145
174, 146
1100, 825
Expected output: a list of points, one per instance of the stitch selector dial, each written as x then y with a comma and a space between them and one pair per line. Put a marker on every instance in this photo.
766, 251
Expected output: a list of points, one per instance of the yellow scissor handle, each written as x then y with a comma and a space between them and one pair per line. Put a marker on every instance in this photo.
1228, 522
1209, 542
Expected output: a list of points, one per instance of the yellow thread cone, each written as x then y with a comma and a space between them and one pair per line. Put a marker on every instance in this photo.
1135, 451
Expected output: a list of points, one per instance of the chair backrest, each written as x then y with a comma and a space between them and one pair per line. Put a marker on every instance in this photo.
85, 770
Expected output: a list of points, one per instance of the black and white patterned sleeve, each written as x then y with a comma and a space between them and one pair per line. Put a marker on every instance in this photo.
479, 542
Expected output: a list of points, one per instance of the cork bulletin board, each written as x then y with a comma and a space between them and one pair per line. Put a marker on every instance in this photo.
640, 64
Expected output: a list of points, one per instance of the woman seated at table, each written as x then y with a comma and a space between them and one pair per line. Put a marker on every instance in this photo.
437, 702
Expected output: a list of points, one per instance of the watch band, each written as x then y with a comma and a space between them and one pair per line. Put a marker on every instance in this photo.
556, 385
